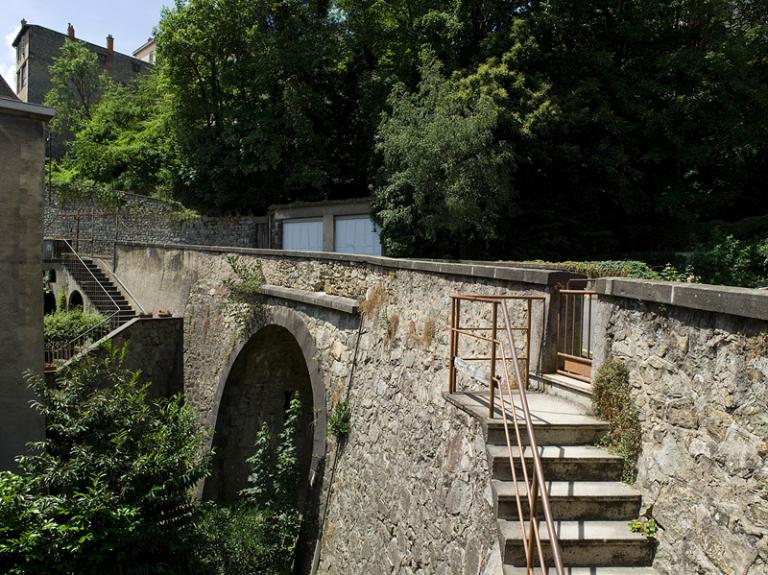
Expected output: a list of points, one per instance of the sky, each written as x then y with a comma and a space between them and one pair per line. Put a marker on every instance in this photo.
131, 23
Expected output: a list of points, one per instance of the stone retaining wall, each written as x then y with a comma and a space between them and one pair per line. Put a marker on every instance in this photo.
698, 361
144, 219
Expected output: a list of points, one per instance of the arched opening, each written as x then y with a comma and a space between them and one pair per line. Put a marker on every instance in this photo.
49, 302
75, 300
264, 376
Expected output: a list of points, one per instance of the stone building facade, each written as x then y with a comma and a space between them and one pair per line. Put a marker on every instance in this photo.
37, 47
22, 149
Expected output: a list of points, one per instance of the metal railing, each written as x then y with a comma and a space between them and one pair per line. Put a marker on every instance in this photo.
576, 309
533, 479
96, 292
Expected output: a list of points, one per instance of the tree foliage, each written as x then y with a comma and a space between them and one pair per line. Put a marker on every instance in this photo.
496, 129
75, 86
110, 488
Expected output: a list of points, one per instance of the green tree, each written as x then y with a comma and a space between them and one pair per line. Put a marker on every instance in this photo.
75, 86
250, 100
125, 143
447, 177
110, 489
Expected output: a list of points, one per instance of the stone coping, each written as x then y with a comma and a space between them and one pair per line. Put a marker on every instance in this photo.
741, 302
320, 299
19, 108
487, 270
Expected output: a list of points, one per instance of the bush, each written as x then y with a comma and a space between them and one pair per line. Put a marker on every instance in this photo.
110, 489
258, 534
63, 326
611, 400
727, 260
243, 540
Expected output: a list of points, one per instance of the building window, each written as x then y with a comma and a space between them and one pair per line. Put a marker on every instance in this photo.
151, 57
23, 76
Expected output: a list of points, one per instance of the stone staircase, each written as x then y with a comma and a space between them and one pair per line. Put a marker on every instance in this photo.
590, 505
101, 291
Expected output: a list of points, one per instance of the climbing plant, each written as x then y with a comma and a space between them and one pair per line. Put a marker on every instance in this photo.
611, 400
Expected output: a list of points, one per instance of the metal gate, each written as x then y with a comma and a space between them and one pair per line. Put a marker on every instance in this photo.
575, 332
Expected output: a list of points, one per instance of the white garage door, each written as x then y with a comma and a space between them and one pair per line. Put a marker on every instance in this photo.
357, 235
303, 235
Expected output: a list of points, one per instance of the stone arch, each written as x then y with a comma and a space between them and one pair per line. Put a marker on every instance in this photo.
75, 300
277, 358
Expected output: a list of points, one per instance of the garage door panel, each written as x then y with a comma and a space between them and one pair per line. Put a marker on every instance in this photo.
303, 235
357, 235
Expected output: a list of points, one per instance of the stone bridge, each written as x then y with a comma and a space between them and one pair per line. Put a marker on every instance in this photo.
409, 491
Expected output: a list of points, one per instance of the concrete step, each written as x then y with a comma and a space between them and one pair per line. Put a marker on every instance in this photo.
559, 463
509, 570
573, 500
555, 421
582, 544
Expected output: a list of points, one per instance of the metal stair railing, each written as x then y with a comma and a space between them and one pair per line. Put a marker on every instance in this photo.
93, 288
534, 482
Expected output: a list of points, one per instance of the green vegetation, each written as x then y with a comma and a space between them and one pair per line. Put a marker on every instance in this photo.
647, 527
246, 285
257, 534
520, 130
612, 401
111, 488
339, 421
64, 326
243, 291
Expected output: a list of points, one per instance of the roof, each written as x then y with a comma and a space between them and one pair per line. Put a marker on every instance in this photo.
24, 28
90, 45
15, 107
149, 42
6, 91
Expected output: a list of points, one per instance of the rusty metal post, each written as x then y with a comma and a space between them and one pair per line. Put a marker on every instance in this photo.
492, 378
454, 335
528, 347
532, 499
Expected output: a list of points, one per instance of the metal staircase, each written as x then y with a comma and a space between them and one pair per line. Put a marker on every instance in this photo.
560, 505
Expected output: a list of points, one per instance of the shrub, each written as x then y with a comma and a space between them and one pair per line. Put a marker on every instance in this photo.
611, 400
61, 301
727, 260
63, 326
110, 489
258, 534
338, 422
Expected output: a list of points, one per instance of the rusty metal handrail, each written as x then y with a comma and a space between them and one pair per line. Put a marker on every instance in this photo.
532, 485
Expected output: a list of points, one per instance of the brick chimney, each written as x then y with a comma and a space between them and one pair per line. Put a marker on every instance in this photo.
70, 31
110, 54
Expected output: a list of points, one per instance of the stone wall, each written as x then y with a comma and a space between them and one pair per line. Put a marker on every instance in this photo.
156, 348
698, 361
411, 488
21, 297
144, 219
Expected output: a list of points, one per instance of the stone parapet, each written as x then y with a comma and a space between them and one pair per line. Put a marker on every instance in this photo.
741, 302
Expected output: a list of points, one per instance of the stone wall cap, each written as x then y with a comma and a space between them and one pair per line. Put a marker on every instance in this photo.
737, 301
19, 108
489, 270
320, 299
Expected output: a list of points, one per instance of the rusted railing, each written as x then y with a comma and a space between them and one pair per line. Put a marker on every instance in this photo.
575, 320
506, 353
